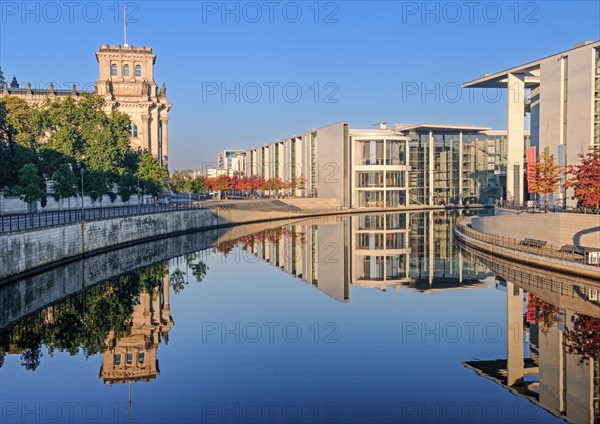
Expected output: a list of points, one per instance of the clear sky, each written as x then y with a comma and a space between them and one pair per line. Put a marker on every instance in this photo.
357, 61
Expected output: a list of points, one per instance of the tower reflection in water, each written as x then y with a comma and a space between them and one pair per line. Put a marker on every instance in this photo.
131, 358
124, 319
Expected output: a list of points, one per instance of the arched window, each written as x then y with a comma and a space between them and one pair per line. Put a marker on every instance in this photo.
113, 70
138, 71
125, 70
133, 129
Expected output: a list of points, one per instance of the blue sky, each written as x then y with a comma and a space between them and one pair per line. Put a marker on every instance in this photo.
358, 61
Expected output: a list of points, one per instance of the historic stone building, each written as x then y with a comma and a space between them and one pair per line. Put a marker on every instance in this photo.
126, 81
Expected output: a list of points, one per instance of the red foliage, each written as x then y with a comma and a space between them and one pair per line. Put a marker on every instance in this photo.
586, 179
584, 338
222, 182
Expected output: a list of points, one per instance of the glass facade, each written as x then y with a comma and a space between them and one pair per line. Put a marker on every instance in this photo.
369, 179
372, 153
370, 199
313, 163
467, 167
395, 152
381, 169
419, 169
395, 179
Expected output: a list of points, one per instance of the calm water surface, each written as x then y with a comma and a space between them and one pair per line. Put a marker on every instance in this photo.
362, 319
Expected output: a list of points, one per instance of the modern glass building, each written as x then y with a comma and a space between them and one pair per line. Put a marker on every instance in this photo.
424, 164
456, 164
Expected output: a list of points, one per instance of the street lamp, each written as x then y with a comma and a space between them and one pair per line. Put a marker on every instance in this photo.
138, 191
81, 171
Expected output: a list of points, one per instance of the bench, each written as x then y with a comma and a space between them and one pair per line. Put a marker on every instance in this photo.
571, 248
533, 242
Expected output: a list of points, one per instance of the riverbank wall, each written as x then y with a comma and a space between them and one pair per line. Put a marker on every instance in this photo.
31, 251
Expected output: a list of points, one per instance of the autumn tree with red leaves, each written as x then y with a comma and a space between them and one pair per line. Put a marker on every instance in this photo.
585, 179
544, 177
584, 338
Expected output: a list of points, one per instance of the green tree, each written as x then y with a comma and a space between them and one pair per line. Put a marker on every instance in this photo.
17, 141
95, 184
177, 281
152, 175
199, 185
2, 80
65, 183
127, 186
29, 187
177, 180
198, 267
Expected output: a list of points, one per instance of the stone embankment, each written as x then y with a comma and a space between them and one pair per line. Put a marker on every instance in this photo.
29, 251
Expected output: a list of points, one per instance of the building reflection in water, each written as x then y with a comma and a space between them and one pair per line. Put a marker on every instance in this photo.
553, 353
134, 357
553, 323
125, 319
376, 250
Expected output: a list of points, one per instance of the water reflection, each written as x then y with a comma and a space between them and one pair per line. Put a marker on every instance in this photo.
100, 319
553, 353
552, 322
393, 250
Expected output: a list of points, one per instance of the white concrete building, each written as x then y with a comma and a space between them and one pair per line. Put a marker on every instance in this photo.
408, 164
562, 95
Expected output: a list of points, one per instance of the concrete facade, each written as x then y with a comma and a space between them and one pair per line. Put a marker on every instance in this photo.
562, 94
408, 164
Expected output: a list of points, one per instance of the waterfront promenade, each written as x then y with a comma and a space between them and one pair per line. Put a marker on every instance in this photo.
571, 242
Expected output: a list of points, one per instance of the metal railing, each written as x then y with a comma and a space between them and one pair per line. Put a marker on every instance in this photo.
590, 257
25, 221
540, 208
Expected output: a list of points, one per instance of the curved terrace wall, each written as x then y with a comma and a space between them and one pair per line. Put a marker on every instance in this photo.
557, 229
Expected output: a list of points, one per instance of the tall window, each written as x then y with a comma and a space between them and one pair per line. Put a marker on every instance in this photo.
372, 152
395, 152
113, 70
125, 70
133, 129
138, 71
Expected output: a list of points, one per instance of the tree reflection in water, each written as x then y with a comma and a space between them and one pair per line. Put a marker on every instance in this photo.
83, 322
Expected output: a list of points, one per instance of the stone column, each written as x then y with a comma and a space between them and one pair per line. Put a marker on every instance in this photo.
431, 247
154, 132
147, 137
431, 162
516, 132
460, 168
514, 335
164, 120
